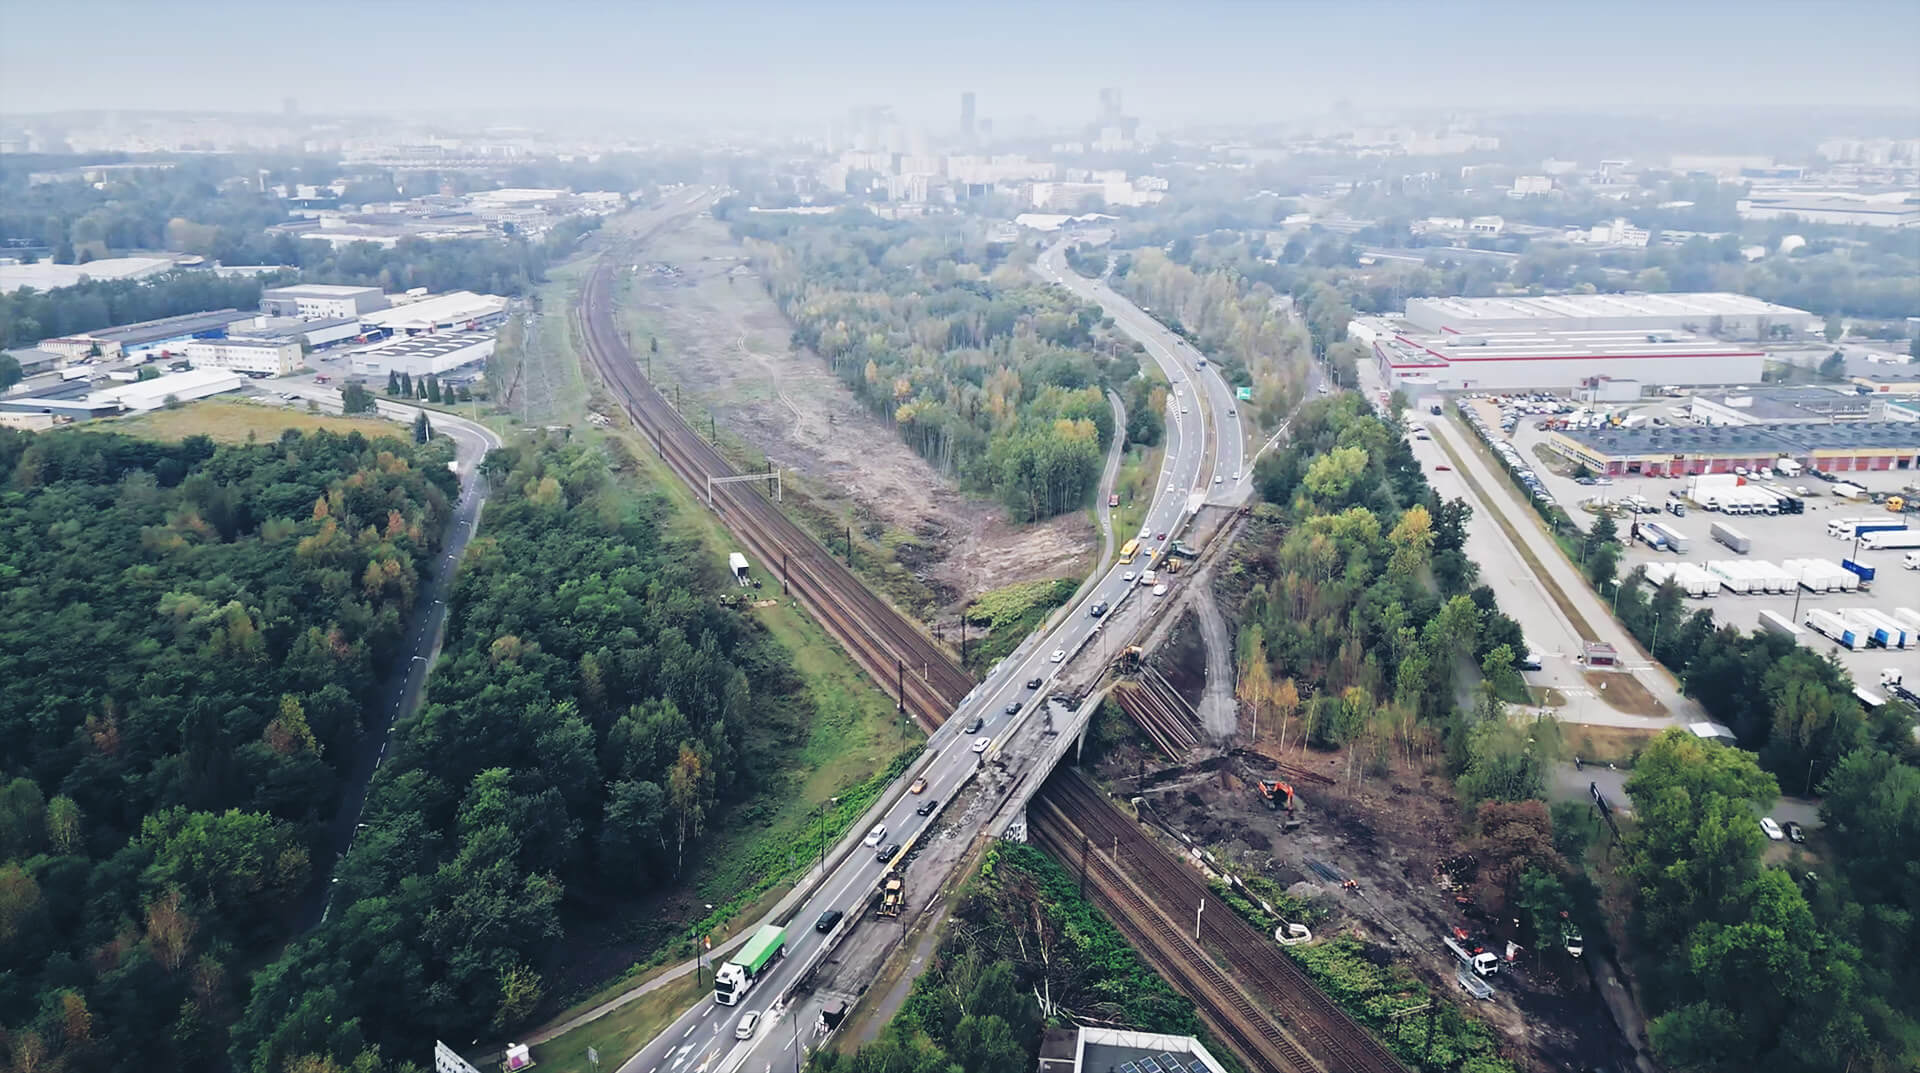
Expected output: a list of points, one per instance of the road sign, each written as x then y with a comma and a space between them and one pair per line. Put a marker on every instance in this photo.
593, 1058
1244, 394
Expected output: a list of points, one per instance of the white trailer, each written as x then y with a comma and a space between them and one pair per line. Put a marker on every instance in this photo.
1892, 634
1908, 618
1731, 537
1695, 581
1833, 628
737, 563
1808, 574
1729, 576
1775, 622
1888, 539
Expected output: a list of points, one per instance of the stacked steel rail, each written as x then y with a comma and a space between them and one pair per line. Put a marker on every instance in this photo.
1073, 820
924, 677
1160, 712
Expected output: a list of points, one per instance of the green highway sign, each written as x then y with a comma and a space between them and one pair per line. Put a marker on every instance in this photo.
1243, 393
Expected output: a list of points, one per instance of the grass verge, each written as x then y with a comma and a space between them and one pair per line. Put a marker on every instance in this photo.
1010, 614
238, 421
622, 1032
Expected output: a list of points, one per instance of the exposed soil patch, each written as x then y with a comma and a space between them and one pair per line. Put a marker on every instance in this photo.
726, 345
1624, 693
1386, 832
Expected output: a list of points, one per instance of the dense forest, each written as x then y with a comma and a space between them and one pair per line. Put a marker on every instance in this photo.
188, 640
28, 316
587, 721
1808, 968
988, 374
1021, 928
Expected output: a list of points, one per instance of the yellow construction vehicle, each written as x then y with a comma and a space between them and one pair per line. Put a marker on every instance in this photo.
892, 896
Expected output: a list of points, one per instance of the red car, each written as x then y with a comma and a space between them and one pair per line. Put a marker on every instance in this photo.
1162, 536
1113, 501
1443, 468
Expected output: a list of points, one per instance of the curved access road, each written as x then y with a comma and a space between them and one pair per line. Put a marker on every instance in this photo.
404, 685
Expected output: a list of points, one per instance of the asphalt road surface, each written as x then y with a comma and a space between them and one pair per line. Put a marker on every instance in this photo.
405, 683
702, 1040
1187, 368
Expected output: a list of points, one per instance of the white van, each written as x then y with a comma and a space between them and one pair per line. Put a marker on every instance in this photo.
1912, 561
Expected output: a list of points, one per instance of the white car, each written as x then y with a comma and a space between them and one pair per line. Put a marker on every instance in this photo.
1236, 474
1127, 577
1217, 479
874, 836
1160, 589
748, 1022
1771, 828
980, 745
1146, 531
1059, 655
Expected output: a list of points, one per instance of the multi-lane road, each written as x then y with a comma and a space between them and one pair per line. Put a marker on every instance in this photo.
703, 1040
1185, 367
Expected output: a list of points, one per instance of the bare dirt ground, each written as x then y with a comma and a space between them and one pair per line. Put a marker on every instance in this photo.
1387, 833
725, 344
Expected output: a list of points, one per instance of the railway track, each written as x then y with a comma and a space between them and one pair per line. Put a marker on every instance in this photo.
1067, 808
892, 649
1224, 1008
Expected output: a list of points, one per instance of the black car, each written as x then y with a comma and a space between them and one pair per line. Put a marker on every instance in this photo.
886, 852
974, 726
827, 920
1434, 410
1796, 832
1033, 683
926, 807
1014, 708
1097, 610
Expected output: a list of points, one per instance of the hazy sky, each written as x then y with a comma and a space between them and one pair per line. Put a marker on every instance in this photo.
1174, 59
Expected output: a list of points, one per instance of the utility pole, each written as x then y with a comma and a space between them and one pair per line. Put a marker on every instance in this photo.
783, 571
849, 546
1085, 842
1197, 910
899, 685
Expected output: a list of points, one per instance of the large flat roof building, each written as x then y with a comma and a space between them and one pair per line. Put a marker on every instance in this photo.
458, 309
424, 355
1538, 359
1685, 449
1899, 210
1736, 315
144, 335
183, 387
321, 300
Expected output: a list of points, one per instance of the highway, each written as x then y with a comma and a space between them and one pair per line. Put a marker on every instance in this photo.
702, 1040
1187, 369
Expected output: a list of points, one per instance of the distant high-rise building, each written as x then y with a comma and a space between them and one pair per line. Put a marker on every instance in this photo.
966, 115
1109, 107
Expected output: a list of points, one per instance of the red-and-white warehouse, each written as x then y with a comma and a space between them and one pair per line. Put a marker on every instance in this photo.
1550, 360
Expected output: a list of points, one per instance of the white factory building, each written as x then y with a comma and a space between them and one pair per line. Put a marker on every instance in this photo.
1898, 209
1733, 315
321, 300
1541, 360
181, 387
254, 357
424, 355
458, 309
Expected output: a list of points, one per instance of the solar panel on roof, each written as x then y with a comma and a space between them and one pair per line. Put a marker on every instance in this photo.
1195, 1067
1148, 1065
1129, 1067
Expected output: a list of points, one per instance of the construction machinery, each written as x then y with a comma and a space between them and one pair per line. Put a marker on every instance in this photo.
1276, 794
892, 896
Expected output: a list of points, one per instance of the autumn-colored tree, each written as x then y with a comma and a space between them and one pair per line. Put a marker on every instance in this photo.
1286, 702
170, 929
63, 824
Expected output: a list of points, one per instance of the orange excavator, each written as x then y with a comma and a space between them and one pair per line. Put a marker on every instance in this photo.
1277, 794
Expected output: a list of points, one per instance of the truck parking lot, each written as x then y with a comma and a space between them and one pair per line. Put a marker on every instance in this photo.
1774, 539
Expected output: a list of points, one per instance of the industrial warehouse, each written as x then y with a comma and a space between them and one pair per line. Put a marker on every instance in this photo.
1734, 316
1544, 359
1861, 446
